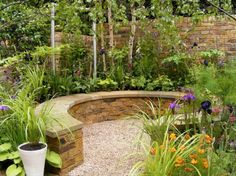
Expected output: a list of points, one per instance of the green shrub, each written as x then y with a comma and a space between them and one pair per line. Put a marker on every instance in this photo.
161, 83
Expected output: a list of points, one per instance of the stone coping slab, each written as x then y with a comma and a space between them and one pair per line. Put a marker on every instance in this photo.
60, 107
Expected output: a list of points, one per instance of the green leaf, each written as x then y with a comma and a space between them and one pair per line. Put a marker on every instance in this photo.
5, 147
4, 156
14, 155
17, 160
54, 159
22, 173
13, 170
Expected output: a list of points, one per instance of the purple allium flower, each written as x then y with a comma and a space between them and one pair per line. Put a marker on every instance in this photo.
221, 63
4, 108
205, 105
102, 51
189, 97
205, 62
13, 97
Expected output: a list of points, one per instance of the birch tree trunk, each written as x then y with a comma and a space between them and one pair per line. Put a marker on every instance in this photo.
110, 23
131, 38
103, 47
102, 38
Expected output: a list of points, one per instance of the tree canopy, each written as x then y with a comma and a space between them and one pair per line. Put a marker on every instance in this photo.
25, 24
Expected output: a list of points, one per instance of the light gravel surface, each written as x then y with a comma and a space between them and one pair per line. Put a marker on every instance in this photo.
107, 148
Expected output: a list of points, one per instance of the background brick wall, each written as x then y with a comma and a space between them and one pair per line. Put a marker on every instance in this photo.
210, 33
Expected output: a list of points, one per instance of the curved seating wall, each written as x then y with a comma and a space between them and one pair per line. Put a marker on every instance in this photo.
76, 110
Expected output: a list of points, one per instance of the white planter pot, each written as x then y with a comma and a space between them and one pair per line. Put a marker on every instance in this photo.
33, 160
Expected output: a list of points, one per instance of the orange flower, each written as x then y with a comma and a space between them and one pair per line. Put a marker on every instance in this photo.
201, 151
187, 136
193, 156
179, 161
188, 169
194, 161
205, 163
172, 136
208, 139
173, 149
182, 147
153, 151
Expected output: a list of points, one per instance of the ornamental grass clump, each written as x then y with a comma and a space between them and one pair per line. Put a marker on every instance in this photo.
154, 123
30, 126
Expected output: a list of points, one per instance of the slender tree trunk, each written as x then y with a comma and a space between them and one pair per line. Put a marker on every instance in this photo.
103, 41
103, 47
111, 32
90, 69
131, 38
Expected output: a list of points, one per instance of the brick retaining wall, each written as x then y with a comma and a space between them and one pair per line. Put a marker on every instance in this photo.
210, 33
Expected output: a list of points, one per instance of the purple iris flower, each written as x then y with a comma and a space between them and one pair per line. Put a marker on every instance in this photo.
4, 108
189, 97
173, 105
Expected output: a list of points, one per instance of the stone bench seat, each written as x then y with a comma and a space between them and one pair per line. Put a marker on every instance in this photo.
74, 111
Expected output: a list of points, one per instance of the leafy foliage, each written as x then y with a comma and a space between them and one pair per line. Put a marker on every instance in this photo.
218, 81
161, 83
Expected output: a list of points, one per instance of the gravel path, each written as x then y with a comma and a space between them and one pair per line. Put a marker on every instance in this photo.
106, 147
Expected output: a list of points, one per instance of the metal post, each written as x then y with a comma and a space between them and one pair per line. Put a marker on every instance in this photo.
53, 37
94, 51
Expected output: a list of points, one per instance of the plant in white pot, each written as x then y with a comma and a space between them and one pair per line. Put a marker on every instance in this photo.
33, 153
25, 127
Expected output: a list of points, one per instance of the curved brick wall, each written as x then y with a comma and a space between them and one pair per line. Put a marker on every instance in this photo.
113, 108
76, 110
